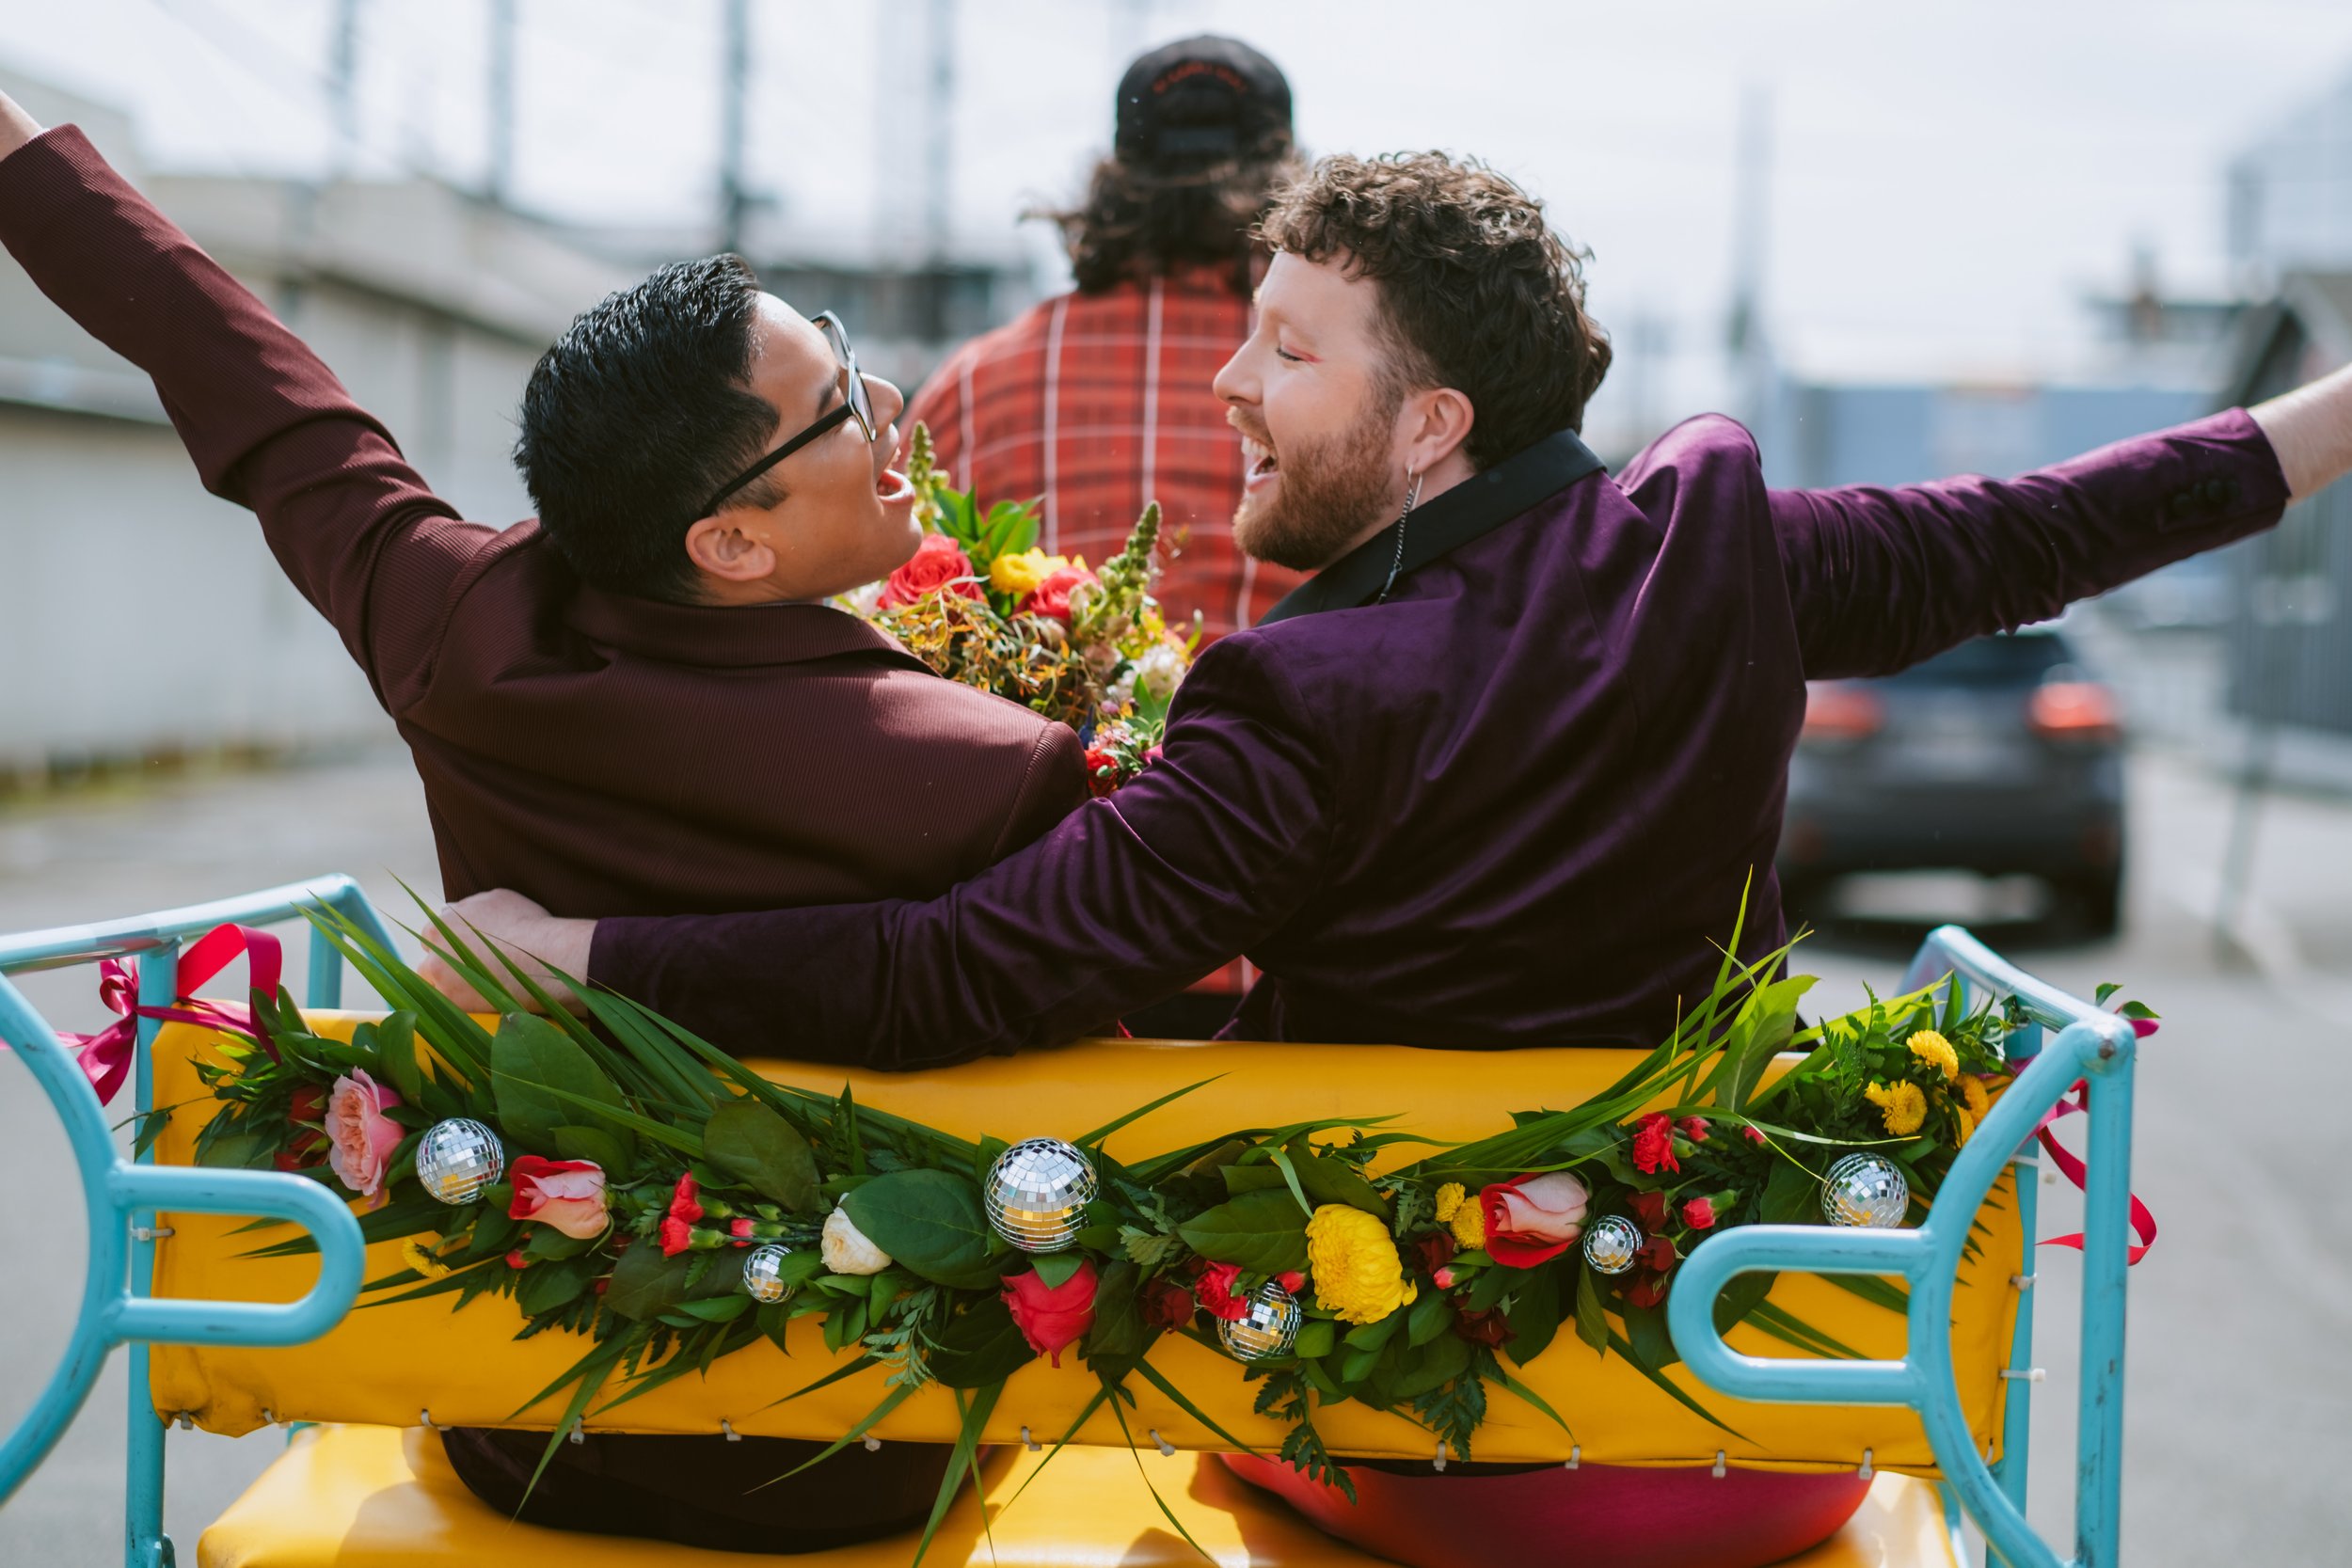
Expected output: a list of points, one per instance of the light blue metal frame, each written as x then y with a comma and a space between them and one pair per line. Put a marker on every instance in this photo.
123, 1198
2091, 1045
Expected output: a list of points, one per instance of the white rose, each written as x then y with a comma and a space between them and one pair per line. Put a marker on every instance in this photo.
1120, 692
846, 1248
1160, 668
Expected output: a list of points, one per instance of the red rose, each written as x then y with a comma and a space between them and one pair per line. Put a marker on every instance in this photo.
1167, 1304
676, 1236
936, 566
1650, 1211
1659, 1256
1754, 1134
1646, 1290
1692, 1128
1435, 1250
1052, 1317
307, 1110
682, 1204
1051, 599
1533, 1219
1699, 1214
1483, 1328
1216, 1290
1654, 1144
1102, 765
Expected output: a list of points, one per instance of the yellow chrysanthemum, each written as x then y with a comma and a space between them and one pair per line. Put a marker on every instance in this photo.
417, 1252
1934, 1049
1902, 1106
1972, 1091
1450, 1197
1020, 573
1359, 1276
1967, 1126
1469, 1224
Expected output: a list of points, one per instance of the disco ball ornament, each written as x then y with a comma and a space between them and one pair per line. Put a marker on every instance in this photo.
763, 1273
1866, 1189
1267, 1327
1613, 1243
1038, 1192
457, 1158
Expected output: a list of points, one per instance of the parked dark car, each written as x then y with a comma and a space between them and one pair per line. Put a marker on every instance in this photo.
2002, 756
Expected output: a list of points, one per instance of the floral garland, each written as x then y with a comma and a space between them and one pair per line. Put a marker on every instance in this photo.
658, 1198
982, 605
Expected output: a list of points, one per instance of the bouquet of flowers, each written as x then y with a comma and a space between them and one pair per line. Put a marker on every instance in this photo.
981, 604
643, 1190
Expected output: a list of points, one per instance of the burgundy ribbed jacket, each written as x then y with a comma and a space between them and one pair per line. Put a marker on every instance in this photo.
600, 752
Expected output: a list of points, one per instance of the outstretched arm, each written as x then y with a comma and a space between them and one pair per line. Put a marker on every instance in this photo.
1881, 579
1131, 899
2310, 430
267, 424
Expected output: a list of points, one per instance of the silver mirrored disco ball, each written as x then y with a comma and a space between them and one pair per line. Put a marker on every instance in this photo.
1866, 1189
1268, 1325
457, 1158
1611, 1243
763, 1273
1038, 1192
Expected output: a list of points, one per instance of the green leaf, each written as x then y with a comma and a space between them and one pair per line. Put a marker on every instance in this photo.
594, 1144
396, 1052
1645, 1331
1056, 1268
1249, 1179
1434, 1366
527, 1057
717, 1309
980, 1347
645, 1284
1427, 1318
1372, 1336
1119, 1329
1263, 1232
1317, 1335
1535, 1313
547, 1286
1793, 1196
750, 1143
1743, 1295
929, 1221
1330, 1180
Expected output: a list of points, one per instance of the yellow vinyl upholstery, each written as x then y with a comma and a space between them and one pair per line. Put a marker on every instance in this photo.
362, 1497
385, 1364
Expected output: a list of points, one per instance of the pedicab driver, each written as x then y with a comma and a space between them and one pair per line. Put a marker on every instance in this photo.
1498, 775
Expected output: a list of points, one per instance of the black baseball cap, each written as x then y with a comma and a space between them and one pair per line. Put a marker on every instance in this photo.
1200, 101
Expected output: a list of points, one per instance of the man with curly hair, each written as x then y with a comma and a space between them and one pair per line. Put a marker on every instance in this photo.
1502, 772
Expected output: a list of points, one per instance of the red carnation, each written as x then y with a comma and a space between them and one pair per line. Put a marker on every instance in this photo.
1692, 1128
1216, 1290
1699, 1214
1483, 1328
1654, 1144
676, 1236
1650, 1211
937, 566
1052, 1317
1291, 1280
308, 1106
1754, 1134
739, 1229
682, 1204
1435, 1250
1167, 1304
516, 1260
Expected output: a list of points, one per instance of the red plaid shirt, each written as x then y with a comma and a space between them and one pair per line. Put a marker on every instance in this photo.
1100, 403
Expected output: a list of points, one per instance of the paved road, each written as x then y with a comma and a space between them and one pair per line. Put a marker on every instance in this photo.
2241, 1391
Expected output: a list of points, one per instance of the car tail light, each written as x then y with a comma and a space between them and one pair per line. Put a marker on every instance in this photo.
1836, 712
2073, 710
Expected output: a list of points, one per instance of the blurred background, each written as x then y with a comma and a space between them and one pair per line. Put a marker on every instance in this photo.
1899, 243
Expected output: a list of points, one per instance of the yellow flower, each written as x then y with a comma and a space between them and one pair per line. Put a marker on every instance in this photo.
1972, 1090
1928, 1046
1903, 1106
1469, 1224
1967, 1125
1017, 575
1450, 1198
1359, 1277
417, 1252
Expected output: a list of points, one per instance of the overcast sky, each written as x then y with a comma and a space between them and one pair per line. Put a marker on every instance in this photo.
1948, 179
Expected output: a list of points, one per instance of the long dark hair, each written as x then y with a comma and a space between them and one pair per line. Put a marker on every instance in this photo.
1137, 222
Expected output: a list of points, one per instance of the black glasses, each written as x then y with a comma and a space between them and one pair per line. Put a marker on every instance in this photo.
858, 404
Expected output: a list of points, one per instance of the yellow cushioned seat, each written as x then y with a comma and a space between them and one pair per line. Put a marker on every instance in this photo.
364, 1497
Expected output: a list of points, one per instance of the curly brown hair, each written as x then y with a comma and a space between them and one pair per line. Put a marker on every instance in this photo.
1135, 222
1476, 291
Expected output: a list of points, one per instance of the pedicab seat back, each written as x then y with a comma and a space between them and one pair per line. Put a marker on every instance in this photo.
397, 1365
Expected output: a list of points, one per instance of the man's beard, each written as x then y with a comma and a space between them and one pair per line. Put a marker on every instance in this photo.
1329, 490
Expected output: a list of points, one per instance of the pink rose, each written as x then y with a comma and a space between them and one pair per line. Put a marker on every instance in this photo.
1052, 1317
1533, 1219
1699, 1214
567, 1195
1051, 599
360, 1138
936, 566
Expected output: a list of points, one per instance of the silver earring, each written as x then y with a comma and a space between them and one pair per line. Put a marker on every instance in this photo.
1412, 498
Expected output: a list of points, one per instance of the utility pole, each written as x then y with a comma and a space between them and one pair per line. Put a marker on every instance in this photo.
503, 22
342, 73
735, 199
1751, 240
939, 195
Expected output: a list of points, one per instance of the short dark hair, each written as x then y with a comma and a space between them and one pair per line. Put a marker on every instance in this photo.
1476, 291
639, 410
1137, 222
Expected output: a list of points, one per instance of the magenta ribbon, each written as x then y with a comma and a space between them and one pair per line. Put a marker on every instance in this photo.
106, 1056
2143, 1221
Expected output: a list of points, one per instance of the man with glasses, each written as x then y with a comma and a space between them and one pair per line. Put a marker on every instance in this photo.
639, 701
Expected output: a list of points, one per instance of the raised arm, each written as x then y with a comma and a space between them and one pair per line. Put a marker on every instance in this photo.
1881, 579
268, 426
1129, 900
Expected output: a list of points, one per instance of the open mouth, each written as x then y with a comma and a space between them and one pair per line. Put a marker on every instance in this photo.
1264, 464
894, 486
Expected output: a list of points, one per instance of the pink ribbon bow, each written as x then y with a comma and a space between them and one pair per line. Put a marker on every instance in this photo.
106, 1056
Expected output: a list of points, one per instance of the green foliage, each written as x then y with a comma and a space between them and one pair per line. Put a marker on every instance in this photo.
754, 1144
1263, 1232
929, 1219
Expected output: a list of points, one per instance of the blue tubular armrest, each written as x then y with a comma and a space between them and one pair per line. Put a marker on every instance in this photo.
120, 1194
2091, 1045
